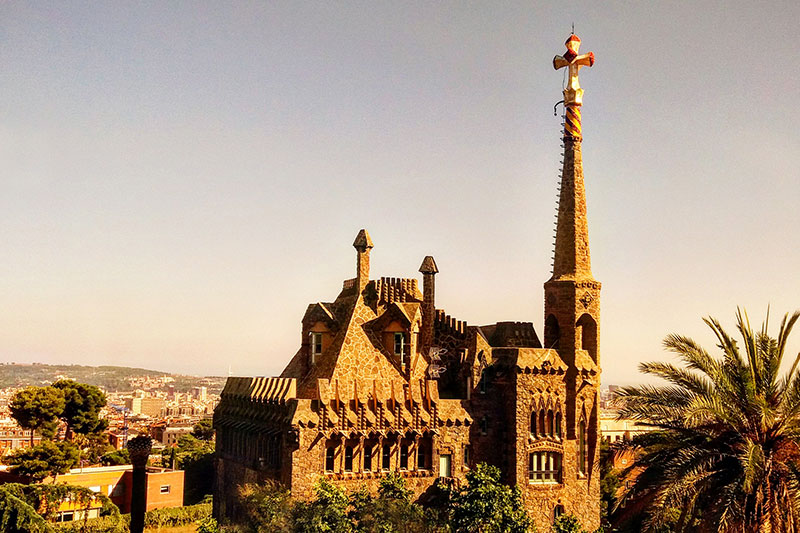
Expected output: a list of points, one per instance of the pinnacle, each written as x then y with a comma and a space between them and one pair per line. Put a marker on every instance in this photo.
362, 242
428, 265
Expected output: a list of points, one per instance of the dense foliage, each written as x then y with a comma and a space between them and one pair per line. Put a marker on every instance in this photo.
724, 453
487, 505
157, 518
82, 404
196, 458
46, 459
25, 508
204, 429
38, 408
484, 505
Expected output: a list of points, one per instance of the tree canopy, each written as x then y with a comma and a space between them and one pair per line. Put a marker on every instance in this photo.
43, 460
487, 505
723, 454
82, 404
204, 429
38, 408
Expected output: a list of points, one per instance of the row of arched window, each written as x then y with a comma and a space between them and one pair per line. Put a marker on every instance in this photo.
546, 423
376, 457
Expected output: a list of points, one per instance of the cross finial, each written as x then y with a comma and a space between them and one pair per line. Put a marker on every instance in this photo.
573, 94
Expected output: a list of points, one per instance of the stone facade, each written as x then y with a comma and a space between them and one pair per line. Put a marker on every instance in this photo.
383, 381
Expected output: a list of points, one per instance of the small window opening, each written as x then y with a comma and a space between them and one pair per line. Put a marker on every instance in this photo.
387, 457
330, 455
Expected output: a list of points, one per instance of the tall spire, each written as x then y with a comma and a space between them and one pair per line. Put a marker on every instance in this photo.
571, 259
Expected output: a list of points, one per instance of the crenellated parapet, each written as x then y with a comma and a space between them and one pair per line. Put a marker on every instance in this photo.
400, 290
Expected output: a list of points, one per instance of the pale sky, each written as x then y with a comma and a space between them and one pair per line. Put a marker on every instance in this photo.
179, 180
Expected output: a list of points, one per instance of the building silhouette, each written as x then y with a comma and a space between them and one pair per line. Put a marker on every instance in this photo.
384, 381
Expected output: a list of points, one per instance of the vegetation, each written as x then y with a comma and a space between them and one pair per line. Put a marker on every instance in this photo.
724, 453
82, 404
196, 458
484, 505
41, 408
110, 378
30, 508
116, 457
487, 505
43, 460
568, 524
38, 409
204, 429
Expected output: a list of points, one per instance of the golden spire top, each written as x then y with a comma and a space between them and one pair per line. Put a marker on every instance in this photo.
573, 94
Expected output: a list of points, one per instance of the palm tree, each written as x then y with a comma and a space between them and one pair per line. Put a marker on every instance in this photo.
724, 451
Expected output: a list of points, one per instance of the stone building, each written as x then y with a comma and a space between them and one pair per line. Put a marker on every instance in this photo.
384, 381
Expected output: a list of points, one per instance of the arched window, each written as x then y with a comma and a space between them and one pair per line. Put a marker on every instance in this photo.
424, 454
533, 423
386, 457
552, 333
588, 335
404, 456
348, 459
550, 423
368, 456
582, 452
558, 424
541, 423
330, 454
558, 511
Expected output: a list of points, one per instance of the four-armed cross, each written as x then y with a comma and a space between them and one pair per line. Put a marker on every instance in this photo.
573, 94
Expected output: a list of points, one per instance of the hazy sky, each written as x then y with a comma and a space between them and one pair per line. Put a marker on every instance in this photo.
178, 180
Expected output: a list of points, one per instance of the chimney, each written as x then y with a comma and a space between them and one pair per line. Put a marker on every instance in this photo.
428, 269
362, 244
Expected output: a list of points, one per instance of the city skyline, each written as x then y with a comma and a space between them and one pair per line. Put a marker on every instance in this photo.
181, 181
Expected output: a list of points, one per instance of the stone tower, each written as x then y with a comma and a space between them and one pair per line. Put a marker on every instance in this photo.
572, 295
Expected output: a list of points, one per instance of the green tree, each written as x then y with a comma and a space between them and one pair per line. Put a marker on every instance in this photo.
724, 450
27, 508
267, 507
82, 404
116, 457
203, 430
326, 513
43, 460
487, 505
568, 524
38, 408
196, 458
17, 515
609, 483
392, 511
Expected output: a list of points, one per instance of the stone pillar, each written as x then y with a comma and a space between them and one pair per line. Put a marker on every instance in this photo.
362, 244
139, 448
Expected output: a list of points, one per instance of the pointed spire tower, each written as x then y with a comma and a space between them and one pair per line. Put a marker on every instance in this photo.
572, 295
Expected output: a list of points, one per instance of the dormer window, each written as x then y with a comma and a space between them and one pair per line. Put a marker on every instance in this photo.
399, 344
316, 346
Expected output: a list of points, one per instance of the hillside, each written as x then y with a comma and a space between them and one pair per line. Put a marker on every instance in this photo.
110, 378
